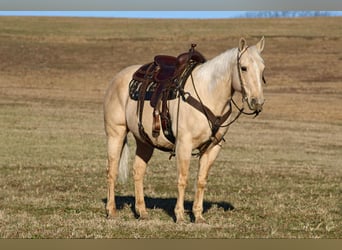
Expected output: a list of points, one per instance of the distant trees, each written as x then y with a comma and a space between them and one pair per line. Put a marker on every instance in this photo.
269, 14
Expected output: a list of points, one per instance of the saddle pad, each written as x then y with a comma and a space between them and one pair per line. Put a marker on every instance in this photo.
134, 90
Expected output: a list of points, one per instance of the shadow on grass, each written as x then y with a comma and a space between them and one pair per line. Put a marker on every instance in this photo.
167, 205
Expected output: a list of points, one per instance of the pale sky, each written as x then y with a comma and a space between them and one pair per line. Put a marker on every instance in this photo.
137, 14
130, 14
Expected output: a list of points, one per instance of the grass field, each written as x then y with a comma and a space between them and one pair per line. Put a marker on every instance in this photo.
278, 176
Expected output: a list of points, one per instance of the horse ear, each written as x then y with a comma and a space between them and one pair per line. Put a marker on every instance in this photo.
242, 44
261, 44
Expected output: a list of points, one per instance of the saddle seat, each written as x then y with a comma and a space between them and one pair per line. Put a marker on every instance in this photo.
166, 68
171, 67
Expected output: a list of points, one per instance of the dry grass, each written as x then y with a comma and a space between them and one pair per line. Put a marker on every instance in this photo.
278, 176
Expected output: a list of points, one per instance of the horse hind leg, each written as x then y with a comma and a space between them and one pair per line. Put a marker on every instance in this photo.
115, 145
143, 155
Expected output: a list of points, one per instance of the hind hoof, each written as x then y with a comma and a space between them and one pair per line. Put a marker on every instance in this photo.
143, 216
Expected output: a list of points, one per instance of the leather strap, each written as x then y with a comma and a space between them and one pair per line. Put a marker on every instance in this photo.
215, 121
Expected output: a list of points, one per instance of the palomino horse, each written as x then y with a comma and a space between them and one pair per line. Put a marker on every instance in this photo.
212, 84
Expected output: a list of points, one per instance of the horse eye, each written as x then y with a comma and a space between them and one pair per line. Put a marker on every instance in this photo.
243, 68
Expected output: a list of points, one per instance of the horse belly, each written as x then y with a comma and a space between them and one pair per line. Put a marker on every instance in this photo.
147, 122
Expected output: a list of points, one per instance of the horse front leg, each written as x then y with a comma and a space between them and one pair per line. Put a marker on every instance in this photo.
205, 163
143, 155
183, 157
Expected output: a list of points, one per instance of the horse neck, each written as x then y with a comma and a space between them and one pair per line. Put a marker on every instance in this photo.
214, 81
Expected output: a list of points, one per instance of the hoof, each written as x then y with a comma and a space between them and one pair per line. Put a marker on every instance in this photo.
180, 220
200, 220
179, 213
143, 216
111, 214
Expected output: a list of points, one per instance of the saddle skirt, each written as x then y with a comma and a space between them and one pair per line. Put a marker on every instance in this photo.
136, 86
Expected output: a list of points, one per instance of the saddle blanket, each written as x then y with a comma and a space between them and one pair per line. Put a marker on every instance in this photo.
134, 90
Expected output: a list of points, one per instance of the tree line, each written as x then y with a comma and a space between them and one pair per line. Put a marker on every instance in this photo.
269, 14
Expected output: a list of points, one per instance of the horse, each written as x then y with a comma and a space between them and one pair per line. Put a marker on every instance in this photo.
211, 85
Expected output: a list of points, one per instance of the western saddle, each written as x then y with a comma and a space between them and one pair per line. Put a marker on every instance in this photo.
160, 81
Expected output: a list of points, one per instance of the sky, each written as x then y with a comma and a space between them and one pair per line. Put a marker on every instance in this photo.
137, 14
130, 14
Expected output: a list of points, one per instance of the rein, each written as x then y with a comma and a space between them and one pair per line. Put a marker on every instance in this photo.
241, 110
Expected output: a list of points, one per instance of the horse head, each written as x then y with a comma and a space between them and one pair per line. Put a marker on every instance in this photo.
250, 71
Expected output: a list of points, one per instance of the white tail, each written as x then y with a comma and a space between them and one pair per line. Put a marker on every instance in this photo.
123, 164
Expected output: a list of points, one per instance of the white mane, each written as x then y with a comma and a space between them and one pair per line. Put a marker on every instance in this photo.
217, 69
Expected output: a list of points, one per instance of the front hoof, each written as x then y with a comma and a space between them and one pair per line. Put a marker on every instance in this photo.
180, 219
200, 220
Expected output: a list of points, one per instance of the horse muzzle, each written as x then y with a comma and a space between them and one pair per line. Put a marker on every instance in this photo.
256, 104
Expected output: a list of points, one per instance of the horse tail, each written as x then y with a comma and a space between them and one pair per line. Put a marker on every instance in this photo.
123, 164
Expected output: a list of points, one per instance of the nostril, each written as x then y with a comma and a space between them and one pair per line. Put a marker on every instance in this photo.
256, 104
253, 102
256, 101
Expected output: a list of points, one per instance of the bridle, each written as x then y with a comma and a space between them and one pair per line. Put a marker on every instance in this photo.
239, 68
242, 85
243, 92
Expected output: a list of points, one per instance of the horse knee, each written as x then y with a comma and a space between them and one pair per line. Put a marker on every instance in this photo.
111, 170
201, 184
182, 182
183, 176
137, 176
138, 172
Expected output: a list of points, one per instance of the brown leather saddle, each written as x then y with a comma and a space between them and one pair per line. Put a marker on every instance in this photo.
159, 82
165, 72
